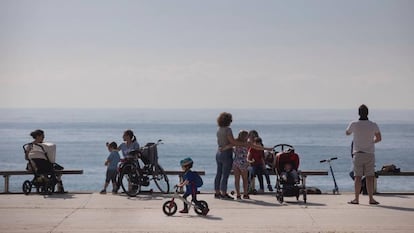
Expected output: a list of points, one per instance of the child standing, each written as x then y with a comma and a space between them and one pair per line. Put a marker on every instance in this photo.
112, 164
257, 164
191, 181
240, 165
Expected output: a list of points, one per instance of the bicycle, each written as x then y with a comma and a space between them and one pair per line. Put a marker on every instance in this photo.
170, 207
132, 176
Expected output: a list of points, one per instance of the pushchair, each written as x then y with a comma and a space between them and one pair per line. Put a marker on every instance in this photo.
288, 184
45, 179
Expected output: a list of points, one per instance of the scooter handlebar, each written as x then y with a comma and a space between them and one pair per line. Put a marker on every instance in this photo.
328, 160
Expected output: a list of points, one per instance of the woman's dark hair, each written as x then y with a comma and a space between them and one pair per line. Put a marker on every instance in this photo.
253, 133
258, 140
224, 119
36, 133
130, 134
363, 112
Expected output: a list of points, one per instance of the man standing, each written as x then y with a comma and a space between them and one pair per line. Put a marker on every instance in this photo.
366, 133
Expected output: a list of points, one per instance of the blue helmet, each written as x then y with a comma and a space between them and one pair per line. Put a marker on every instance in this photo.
185, 162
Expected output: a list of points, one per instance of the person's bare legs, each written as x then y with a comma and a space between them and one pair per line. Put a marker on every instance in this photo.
370, 189
237, 181
245, 177
357, 186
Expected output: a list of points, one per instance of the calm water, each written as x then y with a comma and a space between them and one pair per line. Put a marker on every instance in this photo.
81, 134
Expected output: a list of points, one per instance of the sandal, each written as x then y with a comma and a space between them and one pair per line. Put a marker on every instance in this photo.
246, 197
374, 203
353, 202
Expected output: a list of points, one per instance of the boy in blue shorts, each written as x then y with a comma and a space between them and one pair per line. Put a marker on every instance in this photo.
191, 181
112, 163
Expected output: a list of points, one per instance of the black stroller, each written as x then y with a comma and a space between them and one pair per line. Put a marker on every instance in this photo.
45, 178
288, 184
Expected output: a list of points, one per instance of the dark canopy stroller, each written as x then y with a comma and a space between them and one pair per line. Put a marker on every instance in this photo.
288, 183
45, 178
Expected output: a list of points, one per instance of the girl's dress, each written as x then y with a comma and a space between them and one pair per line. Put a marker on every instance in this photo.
240, 158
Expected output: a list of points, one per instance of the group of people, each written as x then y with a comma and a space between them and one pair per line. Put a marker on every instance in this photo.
245, 156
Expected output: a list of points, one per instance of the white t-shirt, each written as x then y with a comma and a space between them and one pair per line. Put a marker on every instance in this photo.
37, 152
364, 134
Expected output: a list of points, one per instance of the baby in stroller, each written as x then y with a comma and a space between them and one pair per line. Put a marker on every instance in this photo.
41, 157
287, 176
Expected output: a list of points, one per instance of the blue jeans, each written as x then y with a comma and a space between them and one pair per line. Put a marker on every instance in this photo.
257, 171
224, 162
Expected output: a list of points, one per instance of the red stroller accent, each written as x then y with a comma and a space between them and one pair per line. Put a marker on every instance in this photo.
288, 184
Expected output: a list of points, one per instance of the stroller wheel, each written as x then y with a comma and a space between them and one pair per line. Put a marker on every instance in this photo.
279, 198
27, 187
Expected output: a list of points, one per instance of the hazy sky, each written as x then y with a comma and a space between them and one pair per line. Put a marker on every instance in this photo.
207, 54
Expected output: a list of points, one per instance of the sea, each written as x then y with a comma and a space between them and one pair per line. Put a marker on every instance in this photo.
316, 134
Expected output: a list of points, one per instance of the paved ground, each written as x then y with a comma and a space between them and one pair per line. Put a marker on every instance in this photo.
94, 213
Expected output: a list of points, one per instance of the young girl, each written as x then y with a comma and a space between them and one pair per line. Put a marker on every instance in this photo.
240, 165
257, 164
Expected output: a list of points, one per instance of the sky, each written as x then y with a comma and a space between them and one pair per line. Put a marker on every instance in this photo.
310, 54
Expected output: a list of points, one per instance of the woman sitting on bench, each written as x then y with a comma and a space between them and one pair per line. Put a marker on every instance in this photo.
41, 157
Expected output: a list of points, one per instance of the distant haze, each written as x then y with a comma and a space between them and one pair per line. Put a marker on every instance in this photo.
319, 54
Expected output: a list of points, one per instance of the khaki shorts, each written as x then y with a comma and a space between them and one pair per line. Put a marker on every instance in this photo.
364, 164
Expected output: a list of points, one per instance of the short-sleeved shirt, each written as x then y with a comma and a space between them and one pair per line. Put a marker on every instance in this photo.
113, 159
222, 136
190, 187
364, 133
126, 149
257, 155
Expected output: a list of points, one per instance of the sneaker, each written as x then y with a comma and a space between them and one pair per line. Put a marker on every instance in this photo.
270, 187
103, 191
226, 197
184, 211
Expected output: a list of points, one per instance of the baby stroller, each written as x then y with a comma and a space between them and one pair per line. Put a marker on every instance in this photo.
45, 178
289, 185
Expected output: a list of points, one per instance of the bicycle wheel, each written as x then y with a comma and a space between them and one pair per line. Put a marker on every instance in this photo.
129, 180
161, 179
169, 208
201, 208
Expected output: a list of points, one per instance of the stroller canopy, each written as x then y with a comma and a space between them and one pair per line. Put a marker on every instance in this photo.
285, 157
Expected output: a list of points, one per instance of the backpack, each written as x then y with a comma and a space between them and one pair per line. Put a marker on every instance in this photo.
198, 182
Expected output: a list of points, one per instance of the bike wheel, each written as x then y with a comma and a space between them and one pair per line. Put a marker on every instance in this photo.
129, 180
161, 179
27, 187
169, 208
201, 208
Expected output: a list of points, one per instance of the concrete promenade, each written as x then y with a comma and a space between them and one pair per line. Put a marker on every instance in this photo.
93, 212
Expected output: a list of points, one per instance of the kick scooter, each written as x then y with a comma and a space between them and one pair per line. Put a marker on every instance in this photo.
335, 190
